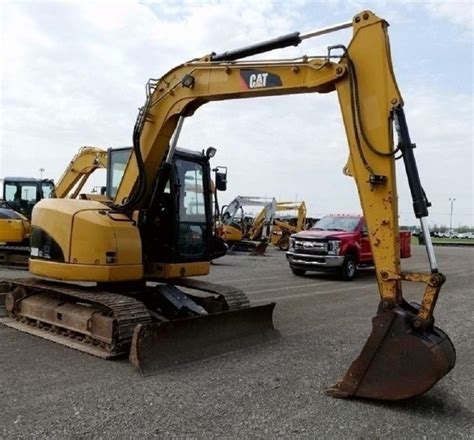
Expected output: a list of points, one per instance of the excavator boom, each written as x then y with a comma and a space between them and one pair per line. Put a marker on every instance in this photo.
82, 165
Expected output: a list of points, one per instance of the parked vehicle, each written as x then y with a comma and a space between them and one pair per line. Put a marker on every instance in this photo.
338, 243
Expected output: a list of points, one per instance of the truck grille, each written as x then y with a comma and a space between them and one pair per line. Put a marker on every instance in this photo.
312, 247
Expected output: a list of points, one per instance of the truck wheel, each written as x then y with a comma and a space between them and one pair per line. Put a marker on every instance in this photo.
298, 272
348, 269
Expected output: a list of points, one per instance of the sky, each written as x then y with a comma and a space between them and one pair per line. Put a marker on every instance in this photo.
74, 74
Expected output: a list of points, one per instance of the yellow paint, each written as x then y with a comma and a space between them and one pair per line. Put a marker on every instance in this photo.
82, 165
85, 272
283, 227
14, 230
86, 230
231, 233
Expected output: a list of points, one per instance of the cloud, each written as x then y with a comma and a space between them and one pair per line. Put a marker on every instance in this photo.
460, 13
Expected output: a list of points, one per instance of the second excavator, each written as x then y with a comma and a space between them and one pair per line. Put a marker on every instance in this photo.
284, 227
21, 194
245, 233
157, 231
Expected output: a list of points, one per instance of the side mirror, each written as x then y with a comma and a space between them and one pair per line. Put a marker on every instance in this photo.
221, 178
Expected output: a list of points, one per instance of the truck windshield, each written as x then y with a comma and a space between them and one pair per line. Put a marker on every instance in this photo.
336, 223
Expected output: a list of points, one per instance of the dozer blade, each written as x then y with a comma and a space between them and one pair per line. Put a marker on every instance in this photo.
168, 344
397, 362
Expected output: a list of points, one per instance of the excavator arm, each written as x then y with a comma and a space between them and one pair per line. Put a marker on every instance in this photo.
261, 226
240, 201
294, 206
82, 165
284, 228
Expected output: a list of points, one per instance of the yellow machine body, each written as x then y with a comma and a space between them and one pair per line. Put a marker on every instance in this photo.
106, 246
14, 230
231, 233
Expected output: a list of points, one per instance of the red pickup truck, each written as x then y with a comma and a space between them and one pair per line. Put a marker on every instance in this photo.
338, 243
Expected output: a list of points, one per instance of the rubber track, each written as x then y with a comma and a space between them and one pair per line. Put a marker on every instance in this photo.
127, 311
19, 251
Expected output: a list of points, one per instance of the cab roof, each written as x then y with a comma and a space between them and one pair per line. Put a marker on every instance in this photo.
26, 179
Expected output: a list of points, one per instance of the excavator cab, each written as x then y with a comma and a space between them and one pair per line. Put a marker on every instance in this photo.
21, 194
178, 221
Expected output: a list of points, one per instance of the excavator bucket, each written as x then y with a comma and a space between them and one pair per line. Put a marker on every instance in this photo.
169, 344
397, 361
260, 248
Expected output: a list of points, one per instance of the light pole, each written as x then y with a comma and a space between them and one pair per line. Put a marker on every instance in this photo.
41, 170
451, 215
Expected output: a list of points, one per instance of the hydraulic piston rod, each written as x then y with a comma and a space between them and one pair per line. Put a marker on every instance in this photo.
293, 39
420, 202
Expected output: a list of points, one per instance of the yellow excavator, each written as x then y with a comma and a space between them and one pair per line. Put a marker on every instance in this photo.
21, 194
244, 233
155, 231
283, 228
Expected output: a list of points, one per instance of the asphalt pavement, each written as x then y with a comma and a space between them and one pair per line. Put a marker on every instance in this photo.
269, 391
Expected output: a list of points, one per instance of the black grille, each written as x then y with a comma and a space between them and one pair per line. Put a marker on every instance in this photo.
311, 247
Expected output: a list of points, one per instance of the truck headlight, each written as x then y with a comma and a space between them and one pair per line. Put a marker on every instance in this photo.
292, 244
334, 247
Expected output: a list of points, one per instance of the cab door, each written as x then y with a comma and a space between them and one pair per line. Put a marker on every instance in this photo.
194, 211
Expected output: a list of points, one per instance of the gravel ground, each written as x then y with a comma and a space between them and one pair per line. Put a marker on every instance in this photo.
271, 391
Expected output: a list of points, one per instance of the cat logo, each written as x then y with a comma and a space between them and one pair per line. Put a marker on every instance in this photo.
257, 79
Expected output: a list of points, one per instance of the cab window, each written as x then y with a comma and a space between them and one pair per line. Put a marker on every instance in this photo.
48, 190
118, 160
192, 210
21, 196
